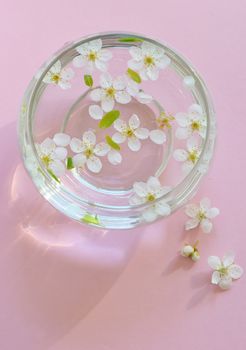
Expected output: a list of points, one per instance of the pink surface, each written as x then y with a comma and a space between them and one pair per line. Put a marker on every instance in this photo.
67, 287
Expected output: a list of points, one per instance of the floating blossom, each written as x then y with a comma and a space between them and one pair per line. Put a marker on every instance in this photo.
164, 122
193, 122
110, 91
147, 193
52, 153
190, 251
148, 60
201, 215
131, 132
59, 76
91, 56
88, 152
190, 156
225, 271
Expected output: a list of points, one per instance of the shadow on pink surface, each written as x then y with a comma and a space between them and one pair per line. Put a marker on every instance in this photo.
53, 270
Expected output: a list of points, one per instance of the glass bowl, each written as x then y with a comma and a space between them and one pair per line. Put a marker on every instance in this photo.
117, 130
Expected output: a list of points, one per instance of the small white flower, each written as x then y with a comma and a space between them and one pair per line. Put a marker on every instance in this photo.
148, 60
190, 156
110, 91
224, 270
88, 152
53, 153
163, 121
147, 193
189, 251
59, 76
193, 122
91, 56
201, 215
130, 132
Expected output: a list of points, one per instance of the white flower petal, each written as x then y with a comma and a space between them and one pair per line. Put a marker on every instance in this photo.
105, 55
162, 208
182, 119
195, 109
180, 155
114, 157
192, 210
192, 223
101, 149
150, 215
83, 49
48, 145
214, 262
228, 259
64, 84
225, 282
153, 184
235, 271
135, 65
67, 73
120, 125
106, 80
60, 153
107, 104
153, 73
157, 136
95, 45
57, 167
61, 139
141, 189
96, 95
56, 68
119, 83
96, 112
163, 62
79, 61
118, 137
136, 53
135, 200
79, 160
134, 144
212, 213
206, 225
76, 145
144, 98
102, 66
187, 167
94, 164
192, 143
215, 277
89, 137
122, 97
141, 133
134, 122
182, 133
205, 203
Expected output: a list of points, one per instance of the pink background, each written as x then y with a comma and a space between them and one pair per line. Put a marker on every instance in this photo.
67, 287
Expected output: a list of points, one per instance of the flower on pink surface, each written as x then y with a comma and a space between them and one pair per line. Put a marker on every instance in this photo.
225, 270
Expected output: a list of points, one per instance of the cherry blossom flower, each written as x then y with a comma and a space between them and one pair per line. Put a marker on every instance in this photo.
201, 215
131, 132
147, 193
59, 76
225, 271
92, 55
190, 156
163, 121
148, 60
88, 152
193, 122
110, 91
53, 153
190, 251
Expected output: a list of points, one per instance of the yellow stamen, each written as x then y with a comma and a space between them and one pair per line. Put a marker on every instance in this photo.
56, 78
92, 56
201, 215
149, 61
195, 125
164, 120
193, 156
150, 197
88, 152
46, 159
110, 92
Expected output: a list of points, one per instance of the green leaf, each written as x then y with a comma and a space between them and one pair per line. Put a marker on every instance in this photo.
70, 163
108, 119
111, 143
134, 75
88, 80
53, 175
90, 219
130, 40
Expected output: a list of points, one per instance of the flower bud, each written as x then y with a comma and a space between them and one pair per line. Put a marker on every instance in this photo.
195, 255
187, 250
